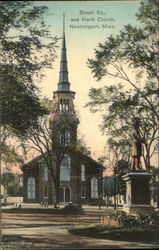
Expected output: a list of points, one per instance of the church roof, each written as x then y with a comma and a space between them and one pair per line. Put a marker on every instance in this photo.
82, 155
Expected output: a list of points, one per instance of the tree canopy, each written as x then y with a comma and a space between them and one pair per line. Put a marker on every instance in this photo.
119, 111
128, 63
134, 48
26, 49
11, 182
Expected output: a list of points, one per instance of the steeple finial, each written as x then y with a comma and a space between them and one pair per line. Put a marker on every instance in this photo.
64, 22
63, 84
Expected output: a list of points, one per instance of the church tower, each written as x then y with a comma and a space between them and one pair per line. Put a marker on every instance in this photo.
64, 97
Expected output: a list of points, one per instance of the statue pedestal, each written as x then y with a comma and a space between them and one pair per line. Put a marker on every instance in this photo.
137, 192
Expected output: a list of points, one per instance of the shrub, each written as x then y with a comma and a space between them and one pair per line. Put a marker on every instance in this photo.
125, 219
144, 219
154, 218
141, 219
70, 208
91, 230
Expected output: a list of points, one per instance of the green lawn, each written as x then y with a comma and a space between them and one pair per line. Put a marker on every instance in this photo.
144, 235
40, 211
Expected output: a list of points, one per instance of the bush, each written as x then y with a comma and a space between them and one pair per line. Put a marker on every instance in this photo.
139, 220
91, 230
154, 218
70, 208
125, 219
144, 219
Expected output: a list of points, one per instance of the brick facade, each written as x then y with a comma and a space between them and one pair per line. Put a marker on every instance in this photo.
35, 170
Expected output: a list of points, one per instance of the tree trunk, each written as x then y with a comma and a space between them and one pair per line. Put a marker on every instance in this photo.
114, 190
57, 187
57, 201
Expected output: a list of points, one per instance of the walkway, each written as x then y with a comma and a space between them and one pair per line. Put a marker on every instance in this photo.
48, 231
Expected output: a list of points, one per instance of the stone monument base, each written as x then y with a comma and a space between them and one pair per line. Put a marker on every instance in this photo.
137, 192
139, 208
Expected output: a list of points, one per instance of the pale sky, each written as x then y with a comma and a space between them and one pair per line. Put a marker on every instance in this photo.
80, 43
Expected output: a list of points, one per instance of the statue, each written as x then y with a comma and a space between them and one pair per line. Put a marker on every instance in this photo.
136, 147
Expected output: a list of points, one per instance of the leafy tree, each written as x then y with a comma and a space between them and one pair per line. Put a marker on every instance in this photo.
122, 169
108, 186
135, 48
115, 184
81, 146
119, 111
117, 153
11, 182
9, 153
26, 48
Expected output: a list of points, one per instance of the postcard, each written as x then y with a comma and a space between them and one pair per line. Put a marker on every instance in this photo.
79, 124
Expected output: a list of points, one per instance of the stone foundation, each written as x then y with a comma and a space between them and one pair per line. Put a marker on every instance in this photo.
135, 209
137, 192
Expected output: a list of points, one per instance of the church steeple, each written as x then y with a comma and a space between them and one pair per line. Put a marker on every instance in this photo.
64, 98
63, 84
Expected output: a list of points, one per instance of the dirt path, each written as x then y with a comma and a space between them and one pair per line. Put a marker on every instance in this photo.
51, 232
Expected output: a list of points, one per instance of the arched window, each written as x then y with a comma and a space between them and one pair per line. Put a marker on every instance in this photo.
94, 187
65, 138
31, 188
82, 172
65, 169
60, 104
45, 173
67, 105
64, 104
65, 193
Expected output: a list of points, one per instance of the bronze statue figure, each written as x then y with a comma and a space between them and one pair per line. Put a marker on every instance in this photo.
136, 147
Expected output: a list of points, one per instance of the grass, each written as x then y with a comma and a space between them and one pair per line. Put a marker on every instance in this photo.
41, 211
144, 235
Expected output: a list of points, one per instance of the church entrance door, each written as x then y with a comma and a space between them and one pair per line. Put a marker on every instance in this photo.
65, 193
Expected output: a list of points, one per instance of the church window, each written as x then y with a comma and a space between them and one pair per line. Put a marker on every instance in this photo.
31, 188
67, 104
65, 138
65, 169
82, 172
64, 104
94, 187
45, 173
60, 104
